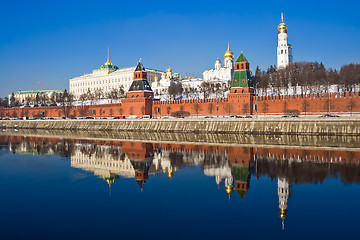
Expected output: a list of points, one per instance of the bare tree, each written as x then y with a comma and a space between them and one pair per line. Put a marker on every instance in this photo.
351, 105
265, 107
211, 108
66, 101
196, 108
285, 108
305, 106
28, 100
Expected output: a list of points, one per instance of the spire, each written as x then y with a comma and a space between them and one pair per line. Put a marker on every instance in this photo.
282, 17
108, 54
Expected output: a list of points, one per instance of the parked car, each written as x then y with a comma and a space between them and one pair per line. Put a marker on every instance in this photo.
89, 118
248, 116
329, 115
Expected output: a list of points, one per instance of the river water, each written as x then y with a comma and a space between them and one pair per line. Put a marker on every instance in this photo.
86, 186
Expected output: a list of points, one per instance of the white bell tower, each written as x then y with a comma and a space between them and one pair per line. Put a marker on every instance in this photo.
284, 50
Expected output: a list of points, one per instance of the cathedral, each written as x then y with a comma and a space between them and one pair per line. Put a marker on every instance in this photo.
284, 50
221, 72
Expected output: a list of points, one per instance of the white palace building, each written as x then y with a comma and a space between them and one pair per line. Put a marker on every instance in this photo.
223, 73
106, 78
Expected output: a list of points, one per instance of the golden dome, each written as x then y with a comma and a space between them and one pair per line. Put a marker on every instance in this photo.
108, 62
282, 28
169, 69
228, 53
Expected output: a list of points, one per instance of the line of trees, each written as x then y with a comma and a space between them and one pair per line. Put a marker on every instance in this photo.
311, 77
207, 89
43, 99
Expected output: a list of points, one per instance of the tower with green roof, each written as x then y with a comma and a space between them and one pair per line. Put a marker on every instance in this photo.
241, 94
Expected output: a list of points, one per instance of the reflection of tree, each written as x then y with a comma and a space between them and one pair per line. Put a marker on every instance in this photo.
307, 172
176, 159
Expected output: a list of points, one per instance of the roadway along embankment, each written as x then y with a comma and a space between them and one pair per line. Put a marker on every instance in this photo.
313, 126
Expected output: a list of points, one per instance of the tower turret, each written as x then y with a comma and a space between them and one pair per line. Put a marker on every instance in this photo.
217, 64
242, 74
284, 50
241, 94
228, 58
139, 98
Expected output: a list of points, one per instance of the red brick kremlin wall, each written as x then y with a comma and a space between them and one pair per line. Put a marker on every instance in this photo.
340, 103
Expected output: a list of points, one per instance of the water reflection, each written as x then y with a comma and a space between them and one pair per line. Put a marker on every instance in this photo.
231, 166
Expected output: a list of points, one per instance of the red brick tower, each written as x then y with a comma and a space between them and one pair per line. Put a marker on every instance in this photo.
140, 96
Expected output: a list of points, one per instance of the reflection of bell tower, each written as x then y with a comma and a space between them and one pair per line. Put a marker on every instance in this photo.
284, 192
229, 185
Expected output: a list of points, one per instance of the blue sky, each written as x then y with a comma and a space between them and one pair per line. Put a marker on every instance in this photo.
44, 43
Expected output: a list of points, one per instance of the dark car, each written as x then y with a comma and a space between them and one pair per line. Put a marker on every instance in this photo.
329, 115
89, 118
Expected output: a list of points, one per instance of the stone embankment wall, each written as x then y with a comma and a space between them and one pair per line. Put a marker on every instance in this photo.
311, 126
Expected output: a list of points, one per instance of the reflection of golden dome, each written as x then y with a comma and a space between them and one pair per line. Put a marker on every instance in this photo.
229, 53
229, 190
108, 62
283, 213
170, 174
169, 69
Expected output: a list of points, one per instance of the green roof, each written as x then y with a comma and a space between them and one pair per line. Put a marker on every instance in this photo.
108, 66
139, 67
240, 173
242, 193
241, 58
241, 79
140, 85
